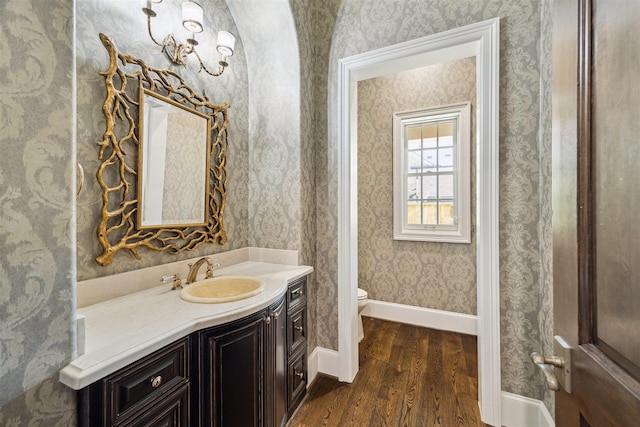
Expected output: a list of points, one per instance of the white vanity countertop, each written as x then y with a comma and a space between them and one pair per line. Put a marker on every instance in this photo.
125, 329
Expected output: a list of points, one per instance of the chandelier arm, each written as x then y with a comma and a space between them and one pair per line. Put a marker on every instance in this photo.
202, 66
149, 30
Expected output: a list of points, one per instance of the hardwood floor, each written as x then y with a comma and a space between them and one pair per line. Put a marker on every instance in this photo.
409, 376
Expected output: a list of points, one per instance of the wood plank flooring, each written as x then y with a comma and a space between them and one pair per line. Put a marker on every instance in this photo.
409, 376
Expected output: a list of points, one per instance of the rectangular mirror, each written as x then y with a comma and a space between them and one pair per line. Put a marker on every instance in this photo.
173, 163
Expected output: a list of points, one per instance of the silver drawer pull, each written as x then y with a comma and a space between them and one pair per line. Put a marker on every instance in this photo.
297, 292
155, 381
299, 328
299, 374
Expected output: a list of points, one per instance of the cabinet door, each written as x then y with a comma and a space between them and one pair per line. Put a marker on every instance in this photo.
232, 382
276, 382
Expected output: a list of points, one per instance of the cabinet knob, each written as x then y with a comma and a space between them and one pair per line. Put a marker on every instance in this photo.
299, 374
155, 381
297, 292
299, 328
268, 320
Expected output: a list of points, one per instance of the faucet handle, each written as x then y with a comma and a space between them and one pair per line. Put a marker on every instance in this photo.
177, 282
210, 267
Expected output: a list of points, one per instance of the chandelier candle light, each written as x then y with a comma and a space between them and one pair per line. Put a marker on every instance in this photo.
192, 20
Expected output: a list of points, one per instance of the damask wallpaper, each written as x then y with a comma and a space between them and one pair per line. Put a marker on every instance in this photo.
545, 317
37, 266
424, 274
281, 199
305, 21
364, 25
38, 251
127, 26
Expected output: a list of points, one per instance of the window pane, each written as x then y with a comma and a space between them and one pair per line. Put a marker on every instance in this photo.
430, 136
430, 187
445, 141
413, 188
414, 138
445, 187
430, 213
445, 159
414, 161
446, 213
413, 212
430, 160
445, 130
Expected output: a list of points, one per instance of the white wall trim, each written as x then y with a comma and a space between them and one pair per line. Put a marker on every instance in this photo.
312, 366
520, 411
481, 39
324, 361
425, 317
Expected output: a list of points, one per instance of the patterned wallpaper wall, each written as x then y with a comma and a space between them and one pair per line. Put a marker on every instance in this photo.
274, 125
425, 274
36, 172
37, 267
364, 25
545, 317
124, 22
305, 21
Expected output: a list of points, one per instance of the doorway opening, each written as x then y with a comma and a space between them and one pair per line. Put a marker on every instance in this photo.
480, 40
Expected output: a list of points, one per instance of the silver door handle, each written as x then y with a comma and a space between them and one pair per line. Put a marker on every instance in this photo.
548, 365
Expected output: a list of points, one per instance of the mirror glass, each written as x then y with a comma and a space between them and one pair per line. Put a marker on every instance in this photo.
173, 164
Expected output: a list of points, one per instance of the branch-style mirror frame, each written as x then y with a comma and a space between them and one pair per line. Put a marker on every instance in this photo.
118, 173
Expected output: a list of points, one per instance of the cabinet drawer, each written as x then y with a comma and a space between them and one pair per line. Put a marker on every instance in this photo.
297, 329
297, 293
131, 388
173, 411
297, 381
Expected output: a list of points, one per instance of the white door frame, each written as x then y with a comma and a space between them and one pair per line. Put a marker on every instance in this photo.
482, 41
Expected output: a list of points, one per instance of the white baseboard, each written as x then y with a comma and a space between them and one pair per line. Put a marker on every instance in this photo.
520, 411
312, 366
426, 317
324, 361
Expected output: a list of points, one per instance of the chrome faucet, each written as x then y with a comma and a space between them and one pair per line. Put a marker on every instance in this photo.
193, 270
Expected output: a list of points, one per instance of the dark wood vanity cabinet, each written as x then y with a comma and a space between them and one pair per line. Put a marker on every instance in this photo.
231, 372
250, 372
243, 371
276, 390
296, 343
154, 391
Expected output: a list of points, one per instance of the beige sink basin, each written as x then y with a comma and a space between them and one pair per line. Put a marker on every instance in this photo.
222, 289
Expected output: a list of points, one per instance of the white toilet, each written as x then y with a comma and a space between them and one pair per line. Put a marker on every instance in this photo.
362, 301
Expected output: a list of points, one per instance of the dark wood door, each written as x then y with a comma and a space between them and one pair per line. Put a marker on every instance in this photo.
232, 386
596, 205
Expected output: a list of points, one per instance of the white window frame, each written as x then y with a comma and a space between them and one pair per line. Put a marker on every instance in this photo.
460, 232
